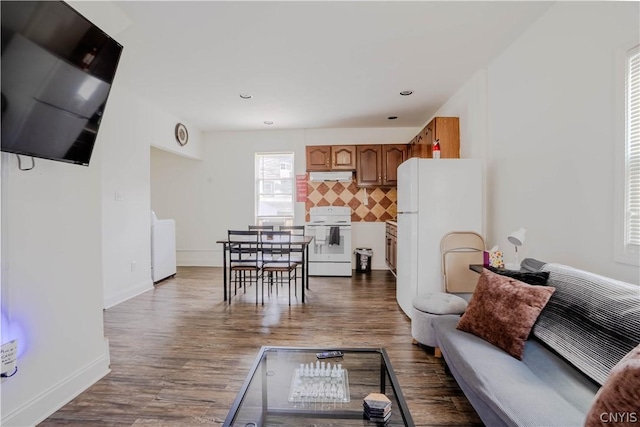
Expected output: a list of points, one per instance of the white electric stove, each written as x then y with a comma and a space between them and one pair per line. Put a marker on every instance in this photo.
330, 250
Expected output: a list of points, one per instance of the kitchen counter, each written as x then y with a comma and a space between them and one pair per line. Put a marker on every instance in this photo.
392, 222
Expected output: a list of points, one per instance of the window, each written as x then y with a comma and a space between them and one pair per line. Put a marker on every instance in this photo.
274, 188
630, 241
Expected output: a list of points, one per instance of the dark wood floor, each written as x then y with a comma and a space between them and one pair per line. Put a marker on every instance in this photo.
179, 354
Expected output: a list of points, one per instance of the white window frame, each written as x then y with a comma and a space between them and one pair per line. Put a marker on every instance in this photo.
279, 219
626, 251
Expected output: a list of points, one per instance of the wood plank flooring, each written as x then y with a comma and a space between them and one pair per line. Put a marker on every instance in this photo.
179, 354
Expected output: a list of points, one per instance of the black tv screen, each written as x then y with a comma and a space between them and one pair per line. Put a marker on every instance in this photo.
57, 70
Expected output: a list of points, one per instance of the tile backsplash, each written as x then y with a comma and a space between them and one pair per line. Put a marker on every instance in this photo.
381, 206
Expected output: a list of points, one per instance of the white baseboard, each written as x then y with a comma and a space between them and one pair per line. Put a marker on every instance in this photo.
127, 294
49, 401
203, 258
378, 266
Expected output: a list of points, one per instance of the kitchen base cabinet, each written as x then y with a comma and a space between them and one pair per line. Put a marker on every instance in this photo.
391, 245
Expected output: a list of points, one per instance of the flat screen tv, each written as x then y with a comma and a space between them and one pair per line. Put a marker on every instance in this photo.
57, 70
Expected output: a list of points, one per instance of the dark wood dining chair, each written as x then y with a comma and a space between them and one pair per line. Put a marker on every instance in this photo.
296, 250
277, 261
244, 259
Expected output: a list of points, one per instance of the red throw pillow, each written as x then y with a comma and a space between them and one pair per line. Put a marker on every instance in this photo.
618, 400
503, 310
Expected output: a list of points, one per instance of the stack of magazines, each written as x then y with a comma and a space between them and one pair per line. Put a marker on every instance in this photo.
377, 407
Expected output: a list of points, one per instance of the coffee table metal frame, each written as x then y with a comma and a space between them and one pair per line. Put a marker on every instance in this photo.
386, 370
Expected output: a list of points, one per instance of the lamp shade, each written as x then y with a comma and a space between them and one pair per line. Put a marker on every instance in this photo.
517, 237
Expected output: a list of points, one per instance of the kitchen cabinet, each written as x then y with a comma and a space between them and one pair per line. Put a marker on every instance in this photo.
369, 165
318, 158
377, 165
392, 156
444, 129
343, 157
418, 147
322, 158
391, 245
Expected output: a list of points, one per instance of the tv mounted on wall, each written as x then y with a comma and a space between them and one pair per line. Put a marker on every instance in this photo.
57, 71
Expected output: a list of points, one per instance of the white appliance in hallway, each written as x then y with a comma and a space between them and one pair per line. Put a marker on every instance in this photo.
163, 248
435, 197
330, 250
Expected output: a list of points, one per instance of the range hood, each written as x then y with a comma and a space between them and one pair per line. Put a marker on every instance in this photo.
346, 176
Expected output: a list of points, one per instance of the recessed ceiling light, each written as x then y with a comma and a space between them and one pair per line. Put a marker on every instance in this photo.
406, 92
245, 96
392, 117
268, 122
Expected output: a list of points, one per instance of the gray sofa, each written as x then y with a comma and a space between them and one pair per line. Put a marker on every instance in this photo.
587, 326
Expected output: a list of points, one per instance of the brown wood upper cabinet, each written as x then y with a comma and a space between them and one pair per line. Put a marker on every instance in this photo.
343, 157
444, 129
392, 156
330, 157
369, 161
378, 164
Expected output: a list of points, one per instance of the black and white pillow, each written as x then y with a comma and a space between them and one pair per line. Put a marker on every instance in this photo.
592, 321
530, 277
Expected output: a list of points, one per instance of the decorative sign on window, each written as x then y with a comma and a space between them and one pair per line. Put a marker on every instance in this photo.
301, 188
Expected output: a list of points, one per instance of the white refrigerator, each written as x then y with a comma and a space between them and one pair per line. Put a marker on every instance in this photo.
435, 197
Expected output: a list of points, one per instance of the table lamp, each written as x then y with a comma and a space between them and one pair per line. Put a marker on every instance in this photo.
516, 239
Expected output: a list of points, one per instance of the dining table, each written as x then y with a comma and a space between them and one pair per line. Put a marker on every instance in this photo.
301, 243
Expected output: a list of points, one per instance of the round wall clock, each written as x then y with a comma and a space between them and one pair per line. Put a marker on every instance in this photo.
182, 135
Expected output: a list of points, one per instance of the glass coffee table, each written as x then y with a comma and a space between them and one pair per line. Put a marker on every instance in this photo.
291, 386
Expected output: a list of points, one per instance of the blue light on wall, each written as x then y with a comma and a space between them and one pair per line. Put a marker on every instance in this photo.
13, 331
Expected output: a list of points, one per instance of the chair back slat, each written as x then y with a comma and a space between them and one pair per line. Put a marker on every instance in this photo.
276, 247
244, 245
296, 230
277, 265
261, 227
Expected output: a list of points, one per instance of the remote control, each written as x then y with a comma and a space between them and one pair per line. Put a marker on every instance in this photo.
329, 354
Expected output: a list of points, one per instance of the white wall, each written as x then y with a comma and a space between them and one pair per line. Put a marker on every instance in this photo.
52, 284
178, 191
469, 103
133, 126
125, 199
221, 188
550, 135
67, 247
52, 293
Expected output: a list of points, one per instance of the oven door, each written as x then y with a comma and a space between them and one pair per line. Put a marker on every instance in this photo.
324, 252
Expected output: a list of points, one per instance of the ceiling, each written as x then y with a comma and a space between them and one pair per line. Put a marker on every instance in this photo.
311, 64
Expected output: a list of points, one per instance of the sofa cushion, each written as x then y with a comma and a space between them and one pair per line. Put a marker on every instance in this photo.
591, 320
619, 397
502, 311
541, 390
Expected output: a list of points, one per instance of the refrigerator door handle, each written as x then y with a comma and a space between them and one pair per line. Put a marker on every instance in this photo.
407, 212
